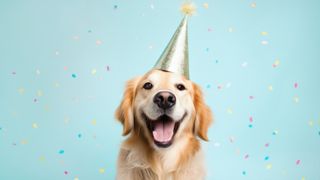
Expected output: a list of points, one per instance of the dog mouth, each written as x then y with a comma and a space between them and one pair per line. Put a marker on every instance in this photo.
163, 129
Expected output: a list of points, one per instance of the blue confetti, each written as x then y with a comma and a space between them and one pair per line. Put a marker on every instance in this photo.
266, 158
79, 135
74, 75
250, 126
115, 7
244, 173
61, 151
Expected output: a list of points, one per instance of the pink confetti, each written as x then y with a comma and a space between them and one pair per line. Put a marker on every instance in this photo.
296, 85
267, 145
251, 119
65, 68
298, 162
251, 97
66, 172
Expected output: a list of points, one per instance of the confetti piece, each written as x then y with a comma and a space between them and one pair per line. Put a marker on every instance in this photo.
266, 158
39, 93
93, 71
270, 88
310, 123
295, 85
275, 132
76, 178
207, 49
94, 122
115, 7
107, 68
217, 61
264, 42
253, 5
319, 133
251, 119
38, 72
61, 151
74, 75
298, 162
296, 99
35, 100
210, 29
208, 86
21, 90
250, 126
244, 173
229, 111
251, 97
42, 158
101, 170
24, 142
267, 145
79, 135
276, 63
303, 178
231, 139
206, 5
269, 166
13, 73
98, 42
246, 156
66, 172
35, 125
264, 33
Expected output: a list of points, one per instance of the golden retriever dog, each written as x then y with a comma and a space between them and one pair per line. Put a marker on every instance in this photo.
163, 114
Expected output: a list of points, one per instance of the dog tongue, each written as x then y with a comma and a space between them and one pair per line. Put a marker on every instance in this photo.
163, 131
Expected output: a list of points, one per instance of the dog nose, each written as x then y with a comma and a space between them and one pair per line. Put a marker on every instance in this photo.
164, 99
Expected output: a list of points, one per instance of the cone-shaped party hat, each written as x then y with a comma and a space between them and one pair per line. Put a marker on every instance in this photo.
175, 56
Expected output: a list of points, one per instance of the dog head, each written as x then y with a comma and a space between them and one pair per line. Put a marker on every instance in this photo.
164, 107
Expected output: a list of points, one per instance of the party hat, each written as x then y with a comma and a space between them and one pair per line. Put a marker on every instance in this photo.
175, 56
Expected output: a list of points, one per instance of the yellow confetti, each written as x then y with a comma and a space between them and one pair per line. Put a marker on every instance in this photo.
310, 123
93, 71
66, 120
21, 90
269, 166
24, 141
264, 33
39, 93
42, 158
303, 178
276, 63
76, 178
94, 122
35, 125
296, 99
253, 5
206, 5
229, 111
101, 170
270, 88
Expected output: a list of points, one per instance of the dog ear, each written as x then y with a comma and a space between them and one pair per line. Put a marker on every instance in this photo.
124, 112
203, 114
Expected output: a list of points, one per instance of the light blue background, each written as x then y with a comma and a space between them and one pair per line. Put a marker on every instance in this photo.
44, 110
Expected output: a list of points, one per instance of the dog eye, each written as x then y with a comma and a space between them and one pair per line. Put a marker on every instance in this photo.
147, 86
181, 87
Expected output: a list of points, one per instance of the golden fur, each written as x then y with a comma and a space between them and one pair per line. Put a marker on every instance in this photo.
139, 157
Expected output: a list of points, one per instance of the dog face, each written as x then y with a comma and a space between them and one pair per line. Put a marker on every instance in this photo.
164, 107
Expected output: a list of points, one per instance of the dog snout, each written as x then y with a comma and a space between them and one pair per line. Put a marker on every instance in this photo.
164, 99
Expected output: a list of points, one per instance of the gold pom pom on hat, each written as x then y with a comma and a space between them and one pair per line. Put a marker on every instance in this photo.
175, 57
